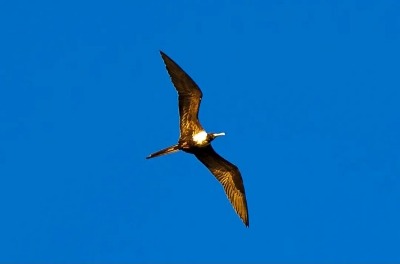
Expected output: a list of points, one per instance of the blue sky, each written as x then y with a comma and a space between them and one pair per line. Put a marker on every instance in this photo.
307, 92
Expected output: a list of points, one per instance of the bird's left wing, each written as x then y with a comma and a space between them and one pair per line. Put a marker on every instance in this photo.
230, 178
189, 97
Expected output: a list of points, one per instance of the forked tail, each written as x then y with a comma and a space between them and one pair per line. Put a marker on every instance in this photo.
165, 151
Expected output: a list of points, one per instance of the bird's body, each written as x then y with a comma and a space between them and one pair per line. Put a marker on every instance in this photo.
195, 140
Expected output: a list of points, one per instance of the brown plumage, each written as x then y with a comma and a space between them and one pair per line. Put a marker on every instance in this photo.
229, 176
189, 98
193, 139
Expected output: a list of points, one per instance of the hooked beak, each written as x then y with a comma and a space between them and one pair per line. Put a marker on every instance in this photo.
219, 134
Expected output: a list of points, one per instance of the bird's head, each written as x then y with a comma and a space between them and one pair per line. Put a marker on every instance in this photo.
212, 136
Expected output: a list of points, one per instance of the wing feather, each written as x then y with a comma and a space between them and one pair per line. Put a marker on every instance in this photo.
189, 97
230, 178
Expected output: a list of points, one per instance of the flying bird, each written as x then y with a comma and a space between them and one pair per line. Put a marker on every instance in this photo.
195, 140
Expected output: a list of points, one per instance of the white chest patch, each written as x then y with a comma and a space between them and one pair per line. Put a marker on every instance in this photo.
200, 137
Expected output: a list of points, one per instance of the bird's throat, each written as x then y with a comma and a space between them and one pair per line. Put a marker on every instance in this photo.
200, 138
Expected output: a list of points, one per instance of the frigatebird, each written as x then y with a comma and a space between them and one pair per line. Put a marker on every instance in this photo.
195, 140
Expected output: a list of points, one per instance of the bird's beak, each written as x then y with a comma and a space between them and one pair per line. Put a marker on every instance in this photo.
219, 134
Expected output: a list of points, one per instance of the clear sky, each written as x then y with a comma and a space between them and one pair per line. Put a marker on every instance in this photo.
307, 92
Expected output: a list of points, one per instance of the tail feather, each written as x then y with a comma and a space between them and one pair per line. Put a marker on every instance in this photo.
165, 151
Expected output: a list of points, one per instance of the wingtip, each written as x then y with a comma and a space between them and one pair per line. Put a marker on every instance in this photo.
246, 222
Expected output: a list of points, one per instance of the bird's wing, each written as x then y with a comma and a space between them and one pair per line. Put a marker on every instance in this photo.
189, 97
229, 176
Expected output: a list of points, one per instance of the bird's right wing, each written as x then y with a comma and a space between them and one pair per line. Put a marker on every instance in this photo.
189, 96
230, 178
